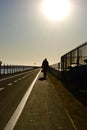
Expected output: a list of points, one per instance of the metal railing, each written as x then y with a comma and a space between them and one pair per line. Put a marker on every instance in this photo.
75, 57
10, 69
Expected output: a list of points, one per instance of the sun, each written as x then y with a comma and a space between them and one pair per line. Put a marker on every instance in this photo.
56, 9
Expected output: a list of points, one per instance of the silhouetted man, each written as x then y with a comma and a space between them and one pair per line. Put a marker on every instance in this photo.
45, 67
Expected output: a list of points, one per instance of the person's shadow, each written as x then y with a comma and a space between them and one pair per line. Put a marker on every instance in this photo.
42, 78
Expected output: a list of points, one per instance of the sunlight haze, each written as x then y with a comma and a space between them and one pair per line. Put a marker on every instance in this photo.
28, 35
56, 9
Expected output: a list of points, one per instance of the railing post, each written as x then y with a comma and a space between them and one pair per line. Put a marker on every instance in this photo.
10, 69
77, 56
0, 66
7, 68
4, 68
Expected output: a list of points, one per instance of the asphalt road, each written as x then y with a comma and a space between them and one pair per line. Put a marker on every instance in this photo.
44, 110
12, 90
28, 102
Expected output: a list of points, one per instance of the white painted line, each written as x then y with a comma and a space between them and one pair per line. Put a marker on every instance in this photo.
16, 75
1, 89
73, 124
19, 79
15, 81
26, 75
22, 77
9, 84
13, 120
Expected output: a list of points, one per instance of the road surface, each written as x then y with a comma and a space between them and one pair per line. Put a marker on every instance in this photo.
28, 102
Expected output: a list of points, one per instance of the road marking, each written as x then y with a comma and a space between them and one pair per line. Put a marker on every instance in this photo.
9, 84
26, 75
15, 75
14, 118
73, 124
1, 89
15, 81
23, 77
19, 79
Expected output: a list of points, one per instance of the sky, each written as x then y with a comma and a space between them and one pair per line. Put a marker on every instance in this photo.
27, 36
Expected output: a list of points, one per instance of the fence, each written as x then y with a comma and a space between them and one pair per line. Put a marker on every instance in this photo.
10, 69
76, 57
74, 66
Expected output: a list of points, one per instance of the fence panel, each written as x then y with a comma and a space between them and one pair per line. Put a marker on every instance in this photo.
75, 57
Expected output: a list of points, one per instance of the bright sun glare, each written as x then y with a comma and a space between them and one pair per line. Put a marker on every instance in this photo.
56, 9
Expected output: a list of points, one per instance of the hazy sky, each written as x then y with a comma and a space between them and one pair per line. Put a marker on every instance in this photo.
27, 36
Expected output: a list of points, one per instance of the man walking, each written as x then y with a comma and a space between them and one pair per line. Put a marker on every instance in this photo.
45, 67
